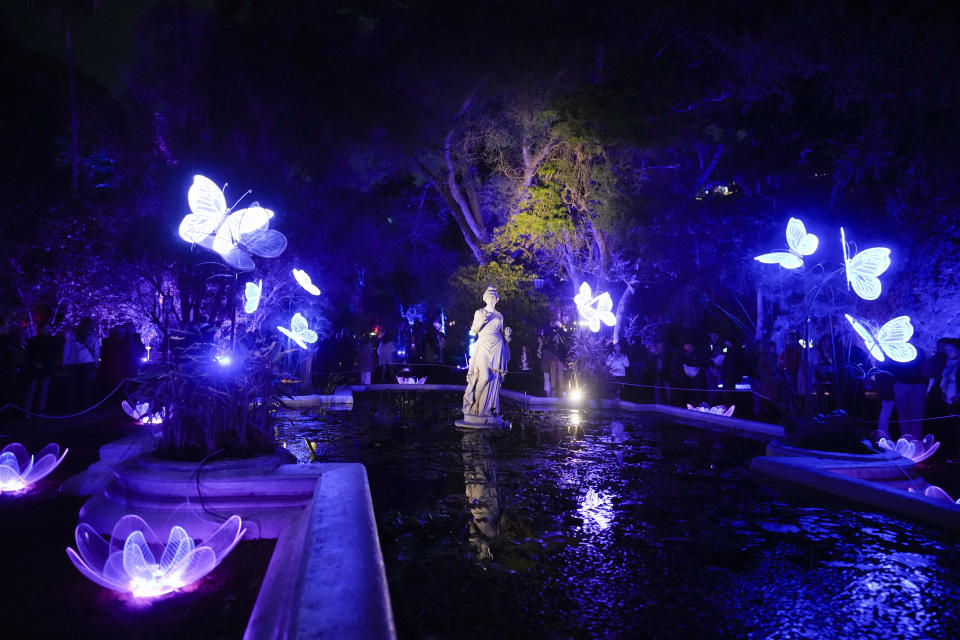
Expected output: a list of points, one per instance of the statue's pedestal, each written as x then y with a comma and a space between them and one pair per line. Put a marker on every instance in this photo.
470, 421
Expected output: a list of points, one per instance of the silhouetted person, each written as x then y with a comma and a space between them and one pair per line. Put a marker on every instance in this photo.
43, 355
81, 354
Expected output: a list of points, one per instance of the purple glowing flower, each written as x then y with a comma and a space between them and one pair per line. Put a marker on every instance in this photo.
910, 447
19, 469
135, 560
718, 410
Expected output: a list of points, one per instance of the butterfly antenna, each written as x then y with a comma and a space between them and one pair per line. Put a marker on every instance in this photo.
248, 192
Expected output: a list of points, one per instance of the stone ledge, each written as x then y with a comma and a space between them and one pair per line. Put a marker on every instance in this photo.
326, 575
852, 480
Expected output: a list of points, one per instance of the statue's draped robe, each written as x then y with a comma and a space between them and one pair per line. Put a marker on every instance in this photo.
487, 366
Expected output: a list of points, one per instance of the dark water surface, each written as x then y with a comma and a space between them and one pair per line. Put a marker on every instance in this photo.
599, 525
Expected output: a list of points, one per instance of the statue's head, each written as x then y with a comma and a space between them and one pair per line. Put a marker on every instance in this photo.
490, 294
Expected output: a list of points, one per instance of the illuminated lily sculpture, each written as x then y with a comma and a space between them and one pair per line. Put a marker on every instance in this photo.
800, 244
594, 309
909, 447
935, 492
135, 560
19, 469
233, 235
718, 410
890, 340
299, 331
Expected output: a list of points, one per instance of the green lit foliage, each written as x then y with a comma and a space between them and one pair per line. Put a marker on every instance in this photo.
524, 309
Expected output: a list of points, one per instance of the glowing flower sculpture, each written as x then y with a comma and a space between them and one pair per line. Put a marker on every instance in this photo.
19, 469
136, 561
909, 447
594, 309
718, 410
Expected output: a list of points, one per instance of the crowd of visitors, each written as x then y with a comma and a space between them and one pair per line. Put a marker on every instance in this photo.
72, 369
67, 371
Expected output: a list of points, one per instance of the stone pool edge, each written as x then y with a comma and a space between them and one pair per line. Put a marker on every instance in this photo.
326, 575
866, 482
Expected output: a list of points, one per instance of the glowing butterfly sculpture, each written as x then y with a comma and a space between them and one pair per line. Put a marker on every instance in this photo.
594, 309
916, 450
233, 235
800, 242
19, 469
304, 279
251, 296
891, 340
141, 412
298, 331
137, 561
863, 268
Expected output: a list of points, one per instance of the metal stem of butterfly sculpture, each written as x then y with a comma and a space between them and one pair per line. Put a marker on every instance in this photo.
486, 368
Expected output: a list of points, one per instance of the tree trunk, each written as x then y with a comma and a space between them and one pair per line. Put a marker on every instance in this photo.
72, 97
621, 308
761, 316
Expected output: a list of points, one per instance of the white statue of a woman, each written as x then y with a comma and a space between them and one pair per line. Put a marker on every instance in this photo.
488, 365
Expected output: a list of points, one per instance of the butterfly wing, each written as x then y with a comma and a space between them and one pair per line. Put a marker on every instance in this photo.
863, 269
799, 241
784, 259
867, 337
208, 207
293, 336
303, 278
237, 225
604, 306
298, 325
252, 295
237, 258
893, 338
585, 297
266, 244
253, 234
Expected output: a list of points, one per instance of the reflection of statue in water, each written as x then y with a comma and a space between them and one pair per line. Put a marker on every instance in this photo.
488, 365
480, 478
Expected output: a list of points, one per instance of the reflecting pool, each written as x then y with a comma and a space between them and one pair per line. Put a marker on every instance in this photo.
604, 525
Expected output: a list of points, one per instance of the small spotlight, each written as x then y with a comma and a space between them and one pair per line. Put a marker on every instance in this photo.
575, 395
224, 360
